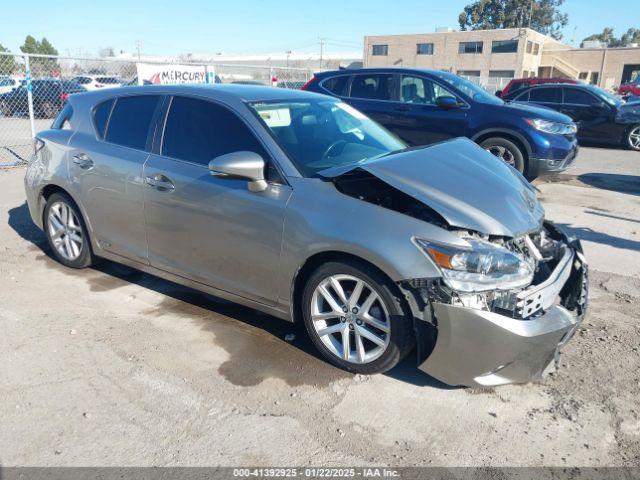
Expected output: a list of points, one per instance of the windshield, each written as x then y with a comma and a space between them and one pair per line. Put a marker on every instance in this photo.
473, 91
320, 134
606, 96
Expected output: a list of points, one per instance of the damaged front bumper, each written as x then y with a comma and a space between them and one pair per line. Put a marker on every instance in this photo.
480, 348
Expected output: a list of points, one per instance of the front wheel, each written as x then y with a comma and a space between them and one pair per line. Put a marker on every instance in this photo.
633, 138
355, 317
505, 150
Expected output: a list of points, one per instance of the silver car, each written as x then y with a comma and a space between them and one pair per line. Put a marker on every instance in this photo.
298, 205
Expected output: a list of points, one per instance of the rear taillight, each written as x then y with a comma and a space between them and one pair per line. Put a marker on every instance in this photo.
308, 84
64, 96
99, 85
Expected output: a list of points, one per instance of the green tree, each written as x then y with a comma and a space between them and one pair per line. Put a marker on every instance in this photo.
40, 66
541, 15
607, 37
7, 62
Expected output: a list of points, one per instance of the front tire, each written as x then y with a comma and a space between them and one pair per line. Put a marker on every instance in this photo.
505, 150
66, 232
632, 140
356, 318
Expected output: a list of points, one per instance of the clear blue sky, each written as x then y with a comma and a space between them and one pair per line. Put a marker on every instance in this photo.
171, 27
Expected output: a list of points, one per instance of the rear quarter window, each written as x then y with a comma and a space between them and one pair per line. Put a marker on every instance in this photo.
101, 116
337, 85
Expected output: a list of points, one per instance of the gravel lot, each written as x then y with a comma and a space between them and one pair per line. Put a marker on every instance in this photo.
109, 366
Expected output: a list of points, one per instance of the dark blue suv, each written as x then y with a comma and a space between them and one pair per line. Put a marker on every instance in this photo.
427, 106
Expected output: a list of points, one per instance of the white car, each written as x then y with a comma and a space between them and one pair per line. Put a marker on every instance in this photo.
7, 84
94, 82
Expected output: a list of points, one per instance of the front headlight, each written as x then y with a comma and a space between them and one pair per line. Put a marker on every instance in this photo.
553, 127
480, 267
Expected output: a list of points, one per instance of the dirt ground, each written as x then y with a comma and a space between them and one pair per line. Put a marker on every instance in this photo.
109, 366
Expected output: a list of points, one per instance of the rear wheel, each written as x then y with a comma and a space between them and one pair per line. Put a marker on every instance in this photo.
633, 138
355, 317
505, 150
66, 232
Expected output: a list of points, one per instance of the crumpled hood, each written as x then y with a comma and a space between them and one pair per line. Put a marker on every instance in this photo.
466, 185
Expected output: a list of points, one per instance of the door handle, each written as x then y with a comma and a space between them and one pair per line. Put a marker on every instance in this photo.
83, 161
159, 182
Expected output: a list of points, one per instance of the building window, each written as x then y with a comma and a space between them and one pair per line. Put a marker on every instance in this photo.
469, 73
424, 48
501, 73
380, 50
470, 47
529, 46
504, 46
594, 78
536, 48
583, 75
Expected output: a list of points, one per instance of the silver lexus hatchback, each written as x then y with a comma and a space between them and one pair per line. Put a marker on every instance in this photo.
297, 205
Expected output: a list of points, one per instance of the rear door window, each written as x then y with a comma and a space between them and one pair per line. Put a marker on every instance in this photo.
130, 121
373, 87
544, 95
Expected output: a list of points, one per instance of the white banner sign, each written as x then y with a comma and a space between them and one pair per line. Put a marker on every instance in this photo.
155, 74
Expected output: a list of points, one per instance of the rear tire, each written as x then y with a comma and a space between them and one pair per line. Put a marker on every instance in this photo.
376, 326
505, 150
632, 139
66, 232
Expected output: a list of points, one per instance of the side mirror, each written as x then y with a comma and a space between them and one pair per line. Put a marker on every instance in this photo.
499, 93
243, 166
447, 102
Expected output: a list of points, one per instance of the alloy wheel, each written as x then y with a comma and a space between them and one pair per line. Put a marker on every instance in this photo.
503, 153
65, 231
634, 138
350, 319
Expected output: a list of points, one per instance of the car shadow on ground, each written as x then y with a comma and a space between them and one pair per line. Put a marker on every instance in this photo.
629, 184
255, 356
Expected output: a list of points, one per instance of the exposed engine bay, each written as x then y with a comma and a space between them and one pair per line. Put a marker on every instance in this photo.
543, 250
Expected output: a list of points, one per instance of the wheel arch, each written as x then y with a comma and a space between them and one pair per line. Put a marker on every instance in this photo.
49, 189
510, 135
311, 264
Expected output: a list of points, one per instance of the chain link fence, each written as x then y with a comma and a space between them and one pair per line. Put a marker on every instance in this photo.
34, 88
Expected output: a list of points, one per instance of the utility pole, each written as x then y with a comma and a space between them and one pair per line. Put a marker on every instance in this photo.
530, 12
138, 48
321, 40
288, 52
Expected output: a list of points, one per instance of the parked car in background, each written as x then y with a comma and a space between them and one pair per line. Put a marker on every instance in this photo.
7, 84
601, 117
519, 83
93, 82
630, 89
298, 205
48, 98
427, 106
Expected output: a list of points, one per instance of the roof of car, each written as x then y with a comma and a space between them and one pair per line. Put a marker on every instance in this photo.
246, 93
351, 71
